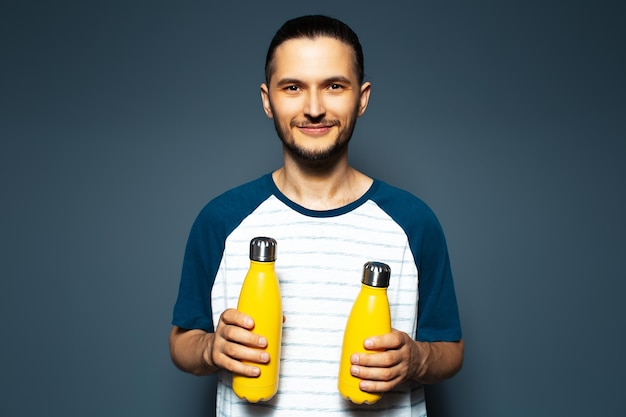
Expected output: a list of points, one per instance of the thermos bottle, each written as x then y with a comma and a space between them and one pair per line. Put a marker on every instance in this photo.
370, 316
260, 299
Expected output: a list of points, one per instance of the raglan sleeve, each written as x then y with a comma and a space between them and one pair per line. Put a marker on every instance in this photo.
438, 314
203, 253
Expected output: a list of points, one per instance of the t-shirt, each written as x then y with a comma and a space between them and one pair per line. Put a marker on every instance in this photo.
320, 258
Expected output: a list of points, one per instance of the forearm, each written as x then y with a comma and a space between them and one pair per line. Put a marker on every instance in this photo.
432, 362
191, 351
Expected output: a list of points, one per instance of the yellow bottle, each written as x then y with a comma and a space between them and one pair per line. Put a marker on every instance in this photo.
260, 299
370, 316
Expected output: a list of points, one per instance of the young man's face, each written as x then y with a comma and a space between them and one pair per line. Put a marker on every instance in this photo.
314, 96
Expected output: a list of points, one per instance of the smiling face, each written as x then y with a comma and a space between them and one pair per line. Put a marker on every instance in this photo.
314, 97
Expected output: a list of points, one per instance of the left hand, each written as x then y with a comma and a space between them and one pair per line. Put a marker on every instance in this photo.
394, 363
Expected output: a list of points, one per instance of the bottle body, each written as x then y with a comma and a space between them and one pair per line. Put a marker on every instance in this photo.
370, 316
260, 299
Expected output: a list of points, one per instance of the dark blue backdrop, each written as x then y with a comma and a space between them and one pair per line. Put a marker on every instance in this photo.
120, 120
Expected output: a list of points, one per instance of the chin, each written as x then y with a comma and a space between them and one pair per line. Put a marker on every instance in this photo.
317, 154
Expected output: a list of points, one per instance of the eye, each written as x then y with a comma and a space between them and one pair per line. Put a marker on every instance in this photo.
335, 86
292, 88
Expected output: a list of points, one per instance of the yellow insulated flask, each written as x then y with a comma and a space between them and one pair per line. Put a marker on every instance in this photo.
370, 316
260, 299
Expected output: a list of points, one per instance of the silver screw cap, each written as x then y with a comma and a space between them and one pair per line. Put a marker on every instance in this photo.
376, 274
263, 249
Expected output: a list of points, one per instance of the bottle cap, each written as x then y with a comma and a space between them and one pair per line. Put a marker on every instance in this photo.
263, 249
376, 274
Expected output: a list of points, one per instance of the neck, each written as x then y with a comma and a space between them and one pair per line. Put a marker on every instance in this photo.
321, 186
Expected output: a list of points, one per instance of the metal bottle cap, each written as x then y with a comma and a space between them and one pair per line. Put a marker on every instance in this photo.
263, 249
376, 274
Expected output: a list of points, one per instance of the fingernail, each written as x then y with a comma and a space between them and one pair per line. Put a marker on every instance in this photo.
262, 341
265, 357
354, 359
368, 344
354, 370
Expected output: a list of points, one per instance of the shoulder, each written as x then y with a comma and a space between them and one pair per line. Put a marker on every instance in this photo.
240, 197
414, 216
230, 207
404, 207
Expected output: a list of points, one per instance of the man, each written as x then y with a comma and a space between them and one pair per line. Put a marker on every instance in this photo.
328, 219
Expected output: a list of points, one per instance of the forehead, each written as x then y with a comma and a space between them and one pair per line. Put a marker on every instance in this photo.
318, 57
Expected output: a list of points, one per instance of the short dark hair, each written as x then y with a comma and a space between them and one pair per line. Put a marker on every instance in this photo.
312, 27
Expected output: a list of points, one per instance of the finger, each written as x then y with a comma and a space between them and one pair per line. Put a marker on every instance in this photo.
238, 358
241, 336
373, 374
377, 386
237, 318
379, 369
246, 368
393, 340
242, 353
384, 359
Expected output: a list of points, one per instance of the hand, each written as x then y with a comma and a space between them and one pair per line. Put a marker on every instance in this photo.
393, 364
234, 342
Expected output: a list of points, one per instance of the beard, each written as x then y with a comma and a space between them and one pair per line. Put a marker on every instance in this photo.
333, 150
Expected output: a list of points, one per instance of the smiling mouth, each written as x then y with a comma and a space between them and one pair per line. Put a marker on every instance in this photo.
315, 129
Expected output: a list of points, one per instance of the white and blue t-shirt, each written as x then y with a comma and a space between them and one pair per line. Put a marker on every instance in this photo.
320, 257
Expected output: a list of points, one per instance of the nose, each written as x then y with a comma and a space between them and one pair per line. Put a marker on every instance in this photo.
314, 106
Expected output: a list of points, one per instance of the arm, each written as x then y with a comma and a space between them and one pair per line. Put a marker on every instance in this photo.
191, 350
201, 353
402, 359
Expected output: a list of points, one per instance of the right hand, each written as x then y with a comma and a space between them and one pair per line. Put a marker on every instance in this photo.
234, 342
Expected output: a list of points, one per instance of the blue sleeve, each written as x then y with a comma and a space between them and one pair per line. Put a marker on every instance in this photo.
203, 254
205, 248
438, 318
438, 315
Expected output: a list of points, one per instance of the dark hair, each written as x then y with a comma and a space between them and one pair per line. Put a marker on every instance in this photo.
312, 27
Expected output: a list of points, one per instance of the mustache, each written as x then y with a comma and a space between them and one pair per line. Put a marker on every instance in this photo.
315, 123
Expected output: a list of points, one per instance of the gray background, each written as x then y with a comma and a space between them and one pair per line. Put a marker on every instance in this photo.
120, 120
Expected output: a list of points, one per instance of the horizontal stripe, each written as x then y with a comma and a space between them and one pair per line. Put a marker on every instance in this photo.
317, 298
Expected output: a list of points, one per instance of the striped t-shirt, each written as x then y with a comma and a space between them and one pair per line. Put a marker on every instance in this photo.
320, 256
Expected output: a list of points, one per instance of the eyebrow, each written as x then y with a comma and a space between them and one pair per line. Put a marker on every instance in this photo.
330, 80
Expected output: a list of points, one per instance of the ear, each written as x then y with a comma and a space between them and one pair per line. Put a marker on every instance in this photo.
364, 98
265, 98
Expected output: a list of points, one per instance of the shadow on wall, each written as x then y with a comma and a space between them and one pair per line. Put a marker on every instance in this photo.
436, 400
208, 400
